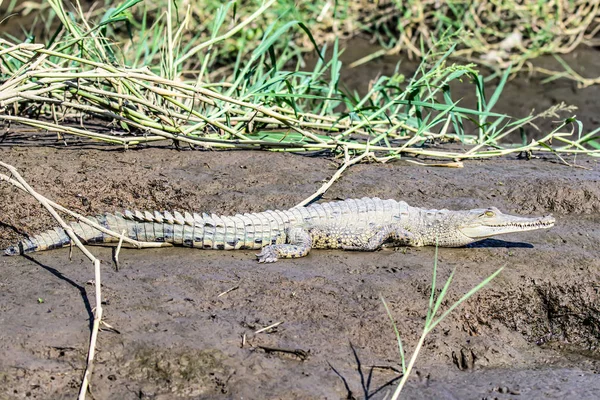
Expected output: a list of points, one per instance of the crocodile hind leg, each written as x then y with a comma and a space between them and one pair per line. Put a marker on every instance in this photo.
377, 237
298, 244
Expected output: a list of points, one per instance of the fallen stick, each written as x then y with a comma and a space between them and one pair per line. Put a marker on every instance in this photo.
81, 218
97, 315
347, 163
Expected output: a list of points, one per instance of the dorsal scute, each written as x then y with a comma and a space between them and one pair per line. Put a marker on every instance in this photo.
189, 219
228, 222
370, 204
148, 217
158, 217
218, 220
168, 217
61, 234
245, 218
275, 217
352, 205
179, 218
208, 220
256, 221
237, 221
139, 216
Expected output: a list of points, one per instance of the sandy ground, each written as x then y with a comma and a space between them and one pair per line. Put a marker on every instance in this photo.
532, 333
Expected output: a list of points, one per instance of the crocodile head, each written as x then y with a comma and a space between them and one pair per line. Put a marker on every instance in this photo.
459, 228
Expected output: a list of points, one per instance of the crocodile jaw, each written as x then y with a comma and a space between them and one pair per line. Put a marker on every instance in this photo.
485, 227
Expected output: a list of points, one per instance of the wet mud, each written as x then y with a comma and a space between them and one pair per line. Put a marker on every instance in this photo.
185, 321
532, 333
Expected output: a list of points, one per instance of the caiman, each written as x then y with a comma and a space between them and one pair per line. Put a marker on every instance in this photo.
355, 224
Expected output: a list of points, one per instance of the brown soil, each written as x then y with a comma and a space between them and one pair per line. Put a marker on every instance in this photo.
533, 331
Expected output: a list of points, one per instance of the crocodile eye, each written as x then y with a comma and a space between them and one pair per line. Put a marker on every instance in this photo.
489, 213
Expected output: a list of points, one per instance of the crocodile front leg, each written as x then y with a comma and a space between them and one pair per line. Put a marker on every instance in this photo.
376, 238
298, 244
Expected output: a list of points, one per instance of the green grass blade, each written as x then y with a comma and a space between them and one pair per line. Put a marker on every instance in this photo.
465, 297
397, 333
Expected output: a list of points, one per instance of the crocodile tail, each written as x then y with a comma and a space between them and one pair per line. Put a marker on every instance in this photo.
50, 239
57, 237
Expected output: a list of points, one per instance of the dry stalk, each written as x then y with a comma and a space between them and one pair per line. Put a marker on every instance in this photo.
453, 164
51, 206
347, 163
157, 108
134, 243
266, 328
118, 249
236, 287
97, 278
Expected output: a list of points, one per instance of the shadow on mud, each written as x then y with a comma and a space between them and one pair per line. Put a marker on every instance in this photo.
365, 381
80, 289
499, 243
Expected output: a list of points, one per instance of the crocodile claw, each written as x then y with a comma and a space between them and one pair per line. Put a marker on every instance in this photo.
267, 255
12, 251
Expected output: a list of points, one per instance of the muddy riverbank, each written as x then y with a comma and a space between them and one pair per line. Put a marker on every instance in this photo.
532, 333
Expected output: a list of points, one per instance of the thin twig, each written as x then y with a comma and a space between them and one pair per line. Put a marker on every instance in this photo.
229, 290
266, 328
97, 278
81, 218
347, 163
455, 164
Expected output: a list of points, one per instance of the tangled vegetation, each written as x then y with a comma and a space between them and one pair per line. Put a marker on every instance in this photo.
160, 85
494, 33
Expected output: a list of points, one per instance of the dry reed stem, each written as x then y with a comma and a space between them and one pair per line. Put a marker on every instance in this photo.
162, 116
347, 163
94, 337
455, 164
138, 77
118, 249
97, 315
236, 287
572, 148
80, 218
266, 328
47, 204
20, 183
